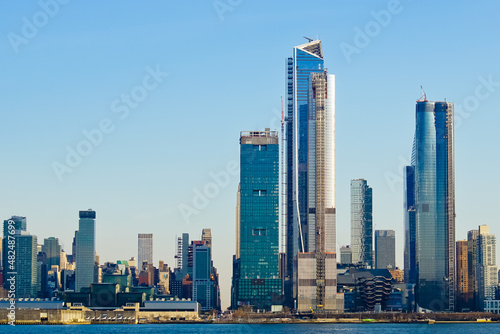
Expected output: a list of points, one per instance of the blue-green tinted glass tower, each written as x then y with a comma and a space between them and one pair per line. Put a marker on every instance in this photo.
435, 205
85, 248
307, 59
19, 223
26, 265
202, 285
259, 281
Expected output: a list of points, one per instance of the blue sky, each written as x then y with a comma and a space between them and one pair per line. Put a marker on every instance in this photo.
226, 74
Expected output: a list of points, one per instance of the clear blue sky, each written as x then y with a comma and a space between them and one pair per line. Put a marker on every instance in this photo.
225, 76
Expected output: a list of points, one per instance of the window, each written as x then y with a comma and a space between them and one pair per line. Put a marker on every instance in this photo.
259, 192
259, 231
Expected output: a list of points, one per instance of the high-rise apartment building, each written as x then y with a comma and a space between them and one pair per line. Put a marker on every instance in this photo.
202, 285
361, 222
259, 283
85, 249
462, 275
385, 249
145, 249
486, 270
307, 59
472, 293
434, 182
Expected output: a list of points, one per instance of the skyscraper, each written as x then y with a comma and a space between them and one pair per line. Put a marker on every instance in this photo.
259, 283
307, 59
206, 236
202, 286
85, 248
361, 222
410, 253
472, 294
462, 275
26, 265
18, 223
316, 267
433, 161
52, 250
144, 249
385, 249
486, 270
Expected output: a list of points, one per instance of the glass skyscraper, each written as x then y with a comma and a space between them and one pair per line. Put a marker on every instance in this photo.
385, 249
19, 223
52, 250
85, 248
307, 59
434, 186
361, 222
26, 265
259, 283
410, 260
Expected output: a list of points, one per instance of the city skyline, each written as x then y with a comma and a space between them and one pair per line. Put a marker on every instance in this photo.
65, 100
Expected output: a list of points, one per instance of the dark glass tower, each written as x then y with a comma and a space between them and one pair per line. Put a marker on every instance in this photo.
410, 259
85, 248
435, 205
361, 222
259, 281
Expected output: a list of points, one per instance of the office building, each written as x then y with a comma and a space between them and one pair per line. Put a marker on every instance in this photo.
307, 59
145, 249
385, 249
85, 249
259, 283
206, 237
434, 182
26, 271
52, 250
486, 270
18, 223
202, 285
361, 222
410, 220
316, 267
346, 255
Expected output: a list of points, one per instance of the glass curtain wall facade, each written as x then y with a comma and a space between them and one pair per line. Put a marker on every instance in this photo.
259, 283
410, 260
26, 265
52, 250
307, 58
435, 206
85, 248
19, 223
385, 249
361, 222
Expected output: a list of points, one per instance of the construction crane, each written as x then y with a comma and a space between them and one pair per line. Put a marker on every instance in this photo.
423, 98
309, 39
